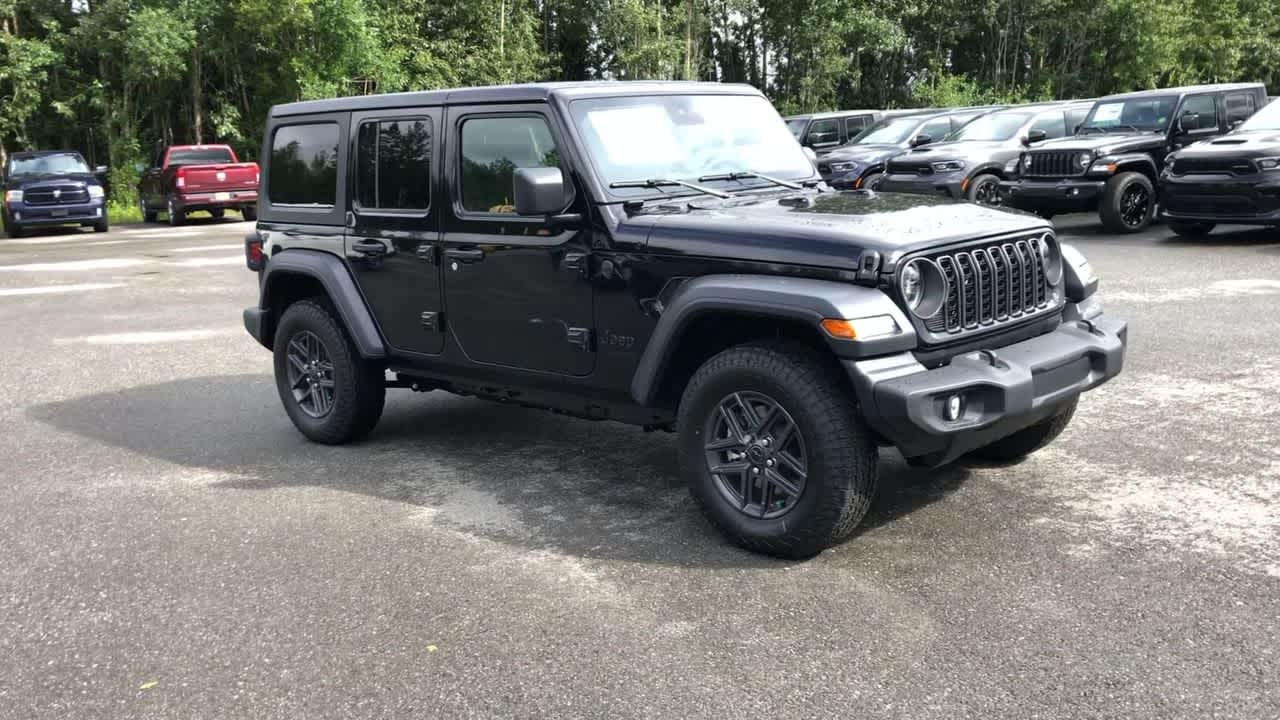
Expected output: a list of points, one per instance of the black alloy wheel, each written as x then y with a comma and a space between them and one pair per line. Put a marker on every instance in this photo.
1135, 205
986, 191
756, 455
310, 374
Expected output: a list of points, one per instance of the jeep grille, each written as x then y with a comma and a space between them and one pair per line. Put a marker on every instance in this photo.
990, 284
1053, 163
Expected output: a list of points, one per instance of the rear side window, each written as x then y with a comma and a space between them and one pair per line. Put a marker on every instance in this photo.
1203, 106
492, 149
393, 164
1240, 106
199, 156
1051, 123
304, 165
855, 124
1075, 117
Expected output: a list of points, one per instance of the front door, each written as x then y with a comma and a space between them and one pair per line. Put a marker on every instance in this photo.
392, 229
516, 291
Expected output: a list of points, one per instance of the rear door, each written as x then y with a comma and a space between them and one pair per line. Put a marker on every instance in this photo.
516, 292
392, 227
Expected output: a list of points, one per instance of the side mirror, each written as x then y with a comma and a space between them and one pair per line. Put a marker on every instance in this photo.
921, 139
1189, 122
538, 190
100, 170
1034, 136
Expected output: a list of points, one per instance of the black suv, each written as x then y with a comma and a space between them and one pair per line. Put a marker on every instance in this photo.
975, 158
1113, 162
859, 165
1231, 179
517, 244
822, 132
52, 187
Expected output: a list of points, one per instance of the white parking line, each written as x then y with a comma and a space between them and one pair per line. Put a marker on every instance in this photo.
56, 289
75, 265
211, 261
203, 248
151, 338
51, 240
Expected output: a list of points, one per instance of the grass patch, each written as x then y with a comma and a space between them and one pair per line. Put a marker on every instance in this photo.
121, 214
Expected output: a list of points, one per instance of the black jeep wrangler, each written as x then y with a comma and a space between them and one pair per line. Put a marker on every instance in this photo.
662, 254
1114, 161
1233, 179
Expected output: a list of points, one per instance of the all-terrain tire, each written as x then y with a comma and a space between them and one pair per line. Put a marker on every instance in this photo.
1112, 208
1028, 440
841, 455
1191, 230
359, 386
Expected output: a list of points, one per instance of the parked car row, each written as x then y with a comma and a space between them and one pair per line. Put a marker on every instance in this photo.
1198, 156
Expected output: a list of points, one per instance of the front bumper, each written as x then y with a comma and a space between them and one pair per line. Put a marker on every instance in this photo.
949, 185
32, 215
1004, 389
1059, 195
223, 199
1222, 200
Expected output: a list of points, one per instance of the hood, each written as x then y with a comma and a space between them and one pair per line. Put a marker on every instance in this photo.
1249, 144
972, 152
822, 229
19, 182
1105, 143
871, 153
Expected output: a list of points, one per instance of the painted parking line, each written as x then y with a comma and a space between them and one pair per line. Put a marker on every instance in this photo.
58, 289
210, 261
75, 265
50, 240
208, 248
153, 337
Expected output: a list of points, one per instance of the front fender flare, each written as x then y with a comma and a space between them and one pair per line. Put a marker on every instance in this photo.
332, 274
1135, 161
807, 300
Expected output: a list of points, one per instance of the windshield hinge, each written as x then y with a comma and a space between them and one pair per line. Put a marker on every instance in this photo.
868, 268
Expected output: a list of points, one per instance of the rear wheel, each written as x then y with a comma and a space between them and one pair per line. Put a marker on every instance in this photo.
176, 216
985, 190
1191, 229
332, 394
774, 451
249, 213
1024, 442
1128, 203
148, 216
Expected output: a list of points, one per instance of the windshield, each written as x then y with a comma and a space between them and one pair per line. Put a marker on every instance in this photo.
888, 132
685, 137
199, 156
796, 126
996, 126
61, 164
1148, 113
1268, 118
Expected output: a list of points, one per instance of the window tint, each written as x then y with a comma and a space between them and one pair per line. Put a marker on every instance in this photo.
855, 124
1203, 106
1240, 106
393, 164
304, 165
1075, 117
936, 129
1052, 123
199, 156
824, 131
492, 149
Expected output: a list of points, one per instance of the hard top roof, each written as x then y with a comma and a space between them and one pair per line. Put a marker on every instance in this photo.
1184, 90
530, 92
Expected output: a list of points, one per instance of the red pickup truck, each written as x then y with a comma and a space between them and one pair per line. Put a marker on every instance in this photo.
185, 178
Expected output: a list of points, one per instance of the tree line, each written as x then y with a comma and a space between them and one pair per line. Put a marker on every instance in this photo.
112, 78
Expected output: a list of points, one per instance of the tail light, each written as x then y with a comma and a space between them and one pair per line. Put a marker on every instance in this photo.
253, 256
181, 178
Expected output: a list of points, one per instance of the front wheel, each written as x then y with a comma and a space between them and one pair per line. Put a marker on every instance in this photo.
774, 451
985, 190
332, 394
1128, 203
871, 181
13, 229
1026, 441
101, 226
1191, 229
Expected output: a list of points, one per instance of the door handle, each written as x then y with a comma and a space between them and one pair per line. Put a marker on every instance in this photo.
368, 249
465, 256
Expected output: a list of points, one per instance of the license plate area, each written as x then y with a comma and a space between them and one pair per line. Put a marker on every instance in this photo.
58, 212
221, 196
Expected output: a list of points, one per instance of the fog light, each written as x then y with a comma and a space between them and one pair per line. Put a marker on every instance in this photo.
954, 408
97, 212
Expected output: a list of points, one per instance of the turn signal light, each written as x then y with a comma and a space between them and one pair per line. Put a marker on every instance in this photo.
842, 329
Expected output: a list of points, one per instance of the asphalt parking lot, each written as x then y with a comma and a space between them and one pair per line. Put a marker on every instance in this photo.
172, 548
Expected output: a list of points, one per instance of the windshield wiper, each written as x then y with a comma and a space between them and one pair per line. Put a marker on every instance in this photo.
747, 174
1134, 128
661, 183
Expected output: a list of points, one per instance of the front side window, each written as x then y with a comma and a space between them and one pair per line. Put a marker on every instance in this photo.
1052, 123
888, 132
59, 164
393, 164
199, 156
822, 132
1136, 114
492, 150
686, 137
936, 129
1205, 108
995, 127
304, 165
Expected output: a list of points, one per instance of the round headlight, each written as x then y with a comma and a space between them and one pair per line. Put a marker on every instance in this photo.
923, 287
1050, 257
1083, 160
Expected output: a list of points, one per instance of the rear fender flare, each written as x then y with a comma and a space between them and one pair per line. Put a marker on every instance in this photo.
332, 274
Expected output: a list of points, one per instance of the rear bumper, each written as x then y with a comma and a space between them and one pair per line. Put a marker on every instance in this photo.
257, 322
1065, 195
1004, 390
949, 185
32, 215
1222, 200
222, 199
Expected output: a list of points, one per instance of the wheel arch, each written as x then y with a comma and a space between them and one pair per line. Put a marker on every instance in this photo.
297, 274
709, 314
1138, 163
